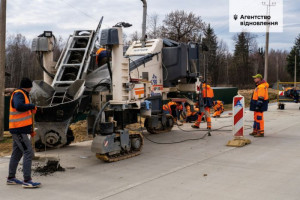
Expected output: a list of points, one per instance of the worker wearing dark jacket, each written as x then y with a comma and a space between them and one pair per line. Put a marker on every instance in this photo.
101, 56
20, 125
208, 95
173, 108
259, 104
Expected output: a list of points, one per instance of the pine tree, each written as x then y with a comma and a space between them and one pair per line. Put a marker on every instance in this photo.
241, 64
291, 58
210, 42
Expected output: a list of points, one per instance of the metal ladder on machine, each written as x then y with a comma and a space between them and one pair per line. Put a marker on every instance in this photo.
74, 62
76, 58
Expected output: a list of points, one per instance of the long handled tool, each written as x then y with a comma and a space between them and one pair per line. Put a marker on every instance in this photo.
33, 133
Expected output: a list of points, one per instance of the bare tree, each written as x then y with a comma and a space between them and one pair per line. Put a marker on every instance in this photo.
135, 36
181, 26
222, 56
59, 45
153, 26
22, 62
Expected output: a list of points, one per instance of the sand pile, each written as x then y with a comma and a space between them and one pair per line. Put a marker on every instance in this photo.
80, 131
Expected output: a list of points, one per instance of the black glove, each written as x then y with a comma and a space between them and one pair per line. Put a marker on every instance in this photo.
259, 105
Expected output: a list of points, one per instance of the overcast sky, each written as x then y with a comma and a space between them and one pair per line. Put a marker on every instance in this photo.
32, 17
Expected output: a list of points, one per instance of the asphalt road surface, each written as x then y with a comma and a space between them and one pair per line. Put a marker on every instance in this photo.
268, 168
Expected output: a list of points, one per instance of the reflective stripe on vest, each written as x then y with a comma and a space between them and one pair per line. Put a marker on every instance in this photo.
19, 119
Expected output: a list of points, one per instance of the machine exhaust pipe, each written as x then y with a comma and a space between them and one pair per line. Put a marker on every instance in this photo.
143, 40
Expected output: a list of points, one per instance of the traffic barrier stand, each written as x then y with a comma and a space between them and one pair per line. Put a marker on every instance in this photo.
238, 123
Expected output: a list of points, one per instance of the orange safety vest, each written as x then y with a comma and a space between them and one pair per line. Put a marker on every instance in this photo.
19, 119
286, 89
261, 91
98, 52
167, 107
210, 92
218, 105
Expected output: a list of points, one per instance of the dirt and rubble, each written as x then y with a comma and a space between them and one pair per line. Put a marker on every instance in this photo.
44, 167
6, 144
80, 131
50, 167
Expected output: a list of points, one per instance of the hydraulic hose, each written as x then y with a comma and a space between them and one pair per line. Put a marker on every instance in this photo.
98, 116
40, 60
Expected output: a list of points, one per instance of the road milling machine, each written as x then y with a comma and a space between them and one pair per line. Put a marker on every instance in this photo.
132, 85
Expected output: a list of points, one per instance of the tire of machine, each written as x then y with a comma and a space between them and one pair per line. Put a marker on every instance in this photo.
39, 145
70, 136
136, 143
167, 128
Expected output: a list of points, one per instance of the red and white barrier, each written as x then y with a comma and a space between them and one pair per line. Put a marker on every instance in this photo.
238, 116
238, 108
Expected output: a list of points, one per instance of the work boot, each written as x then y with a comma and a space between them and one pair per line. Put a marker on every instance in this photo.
194, 126
259, 135
253, 133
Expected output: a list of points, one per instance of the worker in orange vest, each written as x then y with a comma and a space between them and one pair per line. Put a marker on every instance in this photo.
259, 104
208, 95
101, 56
191, 114
173, 108
292, 93
218, 108
20, 125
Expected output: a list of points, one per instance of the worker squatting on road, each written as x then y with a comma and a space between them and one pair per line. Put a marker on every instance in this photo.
191, 113
174, 109
20, 125
259, 104
218, 108
208, 95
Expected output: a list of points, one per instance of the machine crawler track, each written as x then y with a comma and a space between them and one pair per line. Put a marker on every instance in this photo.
124, 155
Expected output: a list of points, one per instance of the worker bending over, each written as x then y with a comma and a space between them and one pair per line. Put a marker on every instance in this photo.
292, 93
218, 108
259, 104
101, 56
207, 94
173, 108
